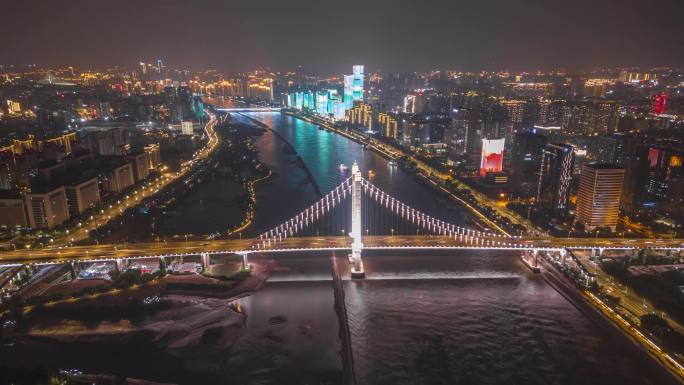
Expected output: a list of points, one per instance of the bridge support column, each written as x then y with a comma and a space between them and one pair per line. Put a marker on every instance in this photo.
121, 265
162, 264
205, 259
73, 270
356, 233
563, 254
245, 262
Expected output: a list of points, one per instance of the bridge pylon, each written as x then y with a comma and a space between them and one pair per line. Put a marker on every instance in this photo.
356, 232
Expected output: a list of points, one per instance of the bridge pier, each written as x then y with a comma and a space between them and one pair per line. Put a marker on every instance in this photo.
121, 265
245, 262
205, 260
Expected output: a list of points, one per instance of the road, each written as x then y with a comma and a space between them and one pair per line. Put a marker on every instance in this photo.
634, 304
336, 242
581, 298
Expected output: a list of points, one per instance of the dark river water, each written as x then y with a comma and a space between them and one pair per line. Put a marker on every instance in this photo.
448, 318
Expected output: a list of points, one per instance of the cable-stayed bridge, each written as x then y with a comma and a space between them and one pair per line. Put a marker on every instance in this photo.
354, 216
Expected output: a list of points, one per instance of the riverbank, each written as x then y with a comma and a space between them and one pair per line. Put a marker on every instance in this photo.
601, 315
300, 163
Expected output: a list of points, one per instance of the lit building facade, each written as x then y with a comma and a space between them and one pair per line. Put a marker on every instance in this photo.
658, 103
82, 195
47, 209
492, 156
555, 177
598, 198
389, 125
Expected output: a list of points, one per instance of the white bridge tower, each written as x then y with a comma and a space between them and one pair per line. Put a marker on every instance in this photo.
356, 231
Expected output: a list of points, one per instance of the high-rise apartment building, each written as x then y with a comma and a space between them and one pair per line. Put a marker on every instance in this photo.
118, 178
361, 115
153, 156
598, 198
515, 109
526, 156
82, 195
47, 209
389, 125
12, 209
140, 165
555, 176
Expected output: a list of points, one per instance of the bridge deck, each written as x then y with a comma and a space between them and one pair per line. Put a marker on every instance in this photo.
138, 250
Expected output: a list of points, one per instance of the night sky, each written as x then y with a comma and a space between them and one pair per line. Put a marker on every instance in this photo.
329, 36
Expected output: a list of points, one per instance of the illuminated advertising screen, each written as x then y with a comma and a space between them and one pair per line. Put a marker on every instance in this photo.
492, 155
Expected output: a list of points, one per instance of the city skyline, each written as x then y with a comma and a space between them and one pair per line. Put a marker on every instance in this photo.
306, 192
391, 36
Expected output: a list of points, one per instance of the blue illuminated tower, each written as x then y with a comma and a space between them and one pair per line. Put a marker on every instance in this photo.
357, 87
348, 91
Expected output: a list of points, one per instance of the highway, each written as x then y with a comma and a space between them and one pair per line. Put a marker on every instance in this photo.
109, 251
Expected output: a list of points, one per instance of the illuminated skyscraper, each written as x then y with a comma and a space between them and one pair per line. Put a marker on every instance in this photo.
658, 103
357, 87
348, 91
353, 86
555, 176
598, 198
492, 156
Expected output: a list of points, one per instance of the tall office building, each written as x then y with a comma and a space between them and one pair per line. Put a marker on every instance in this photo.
348, 91
598, 198
353, 87
526, 156
555, 176
357, 88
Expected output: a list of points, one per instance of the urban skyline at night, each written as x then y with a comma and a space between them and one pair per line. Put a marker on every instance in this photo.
301, 192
